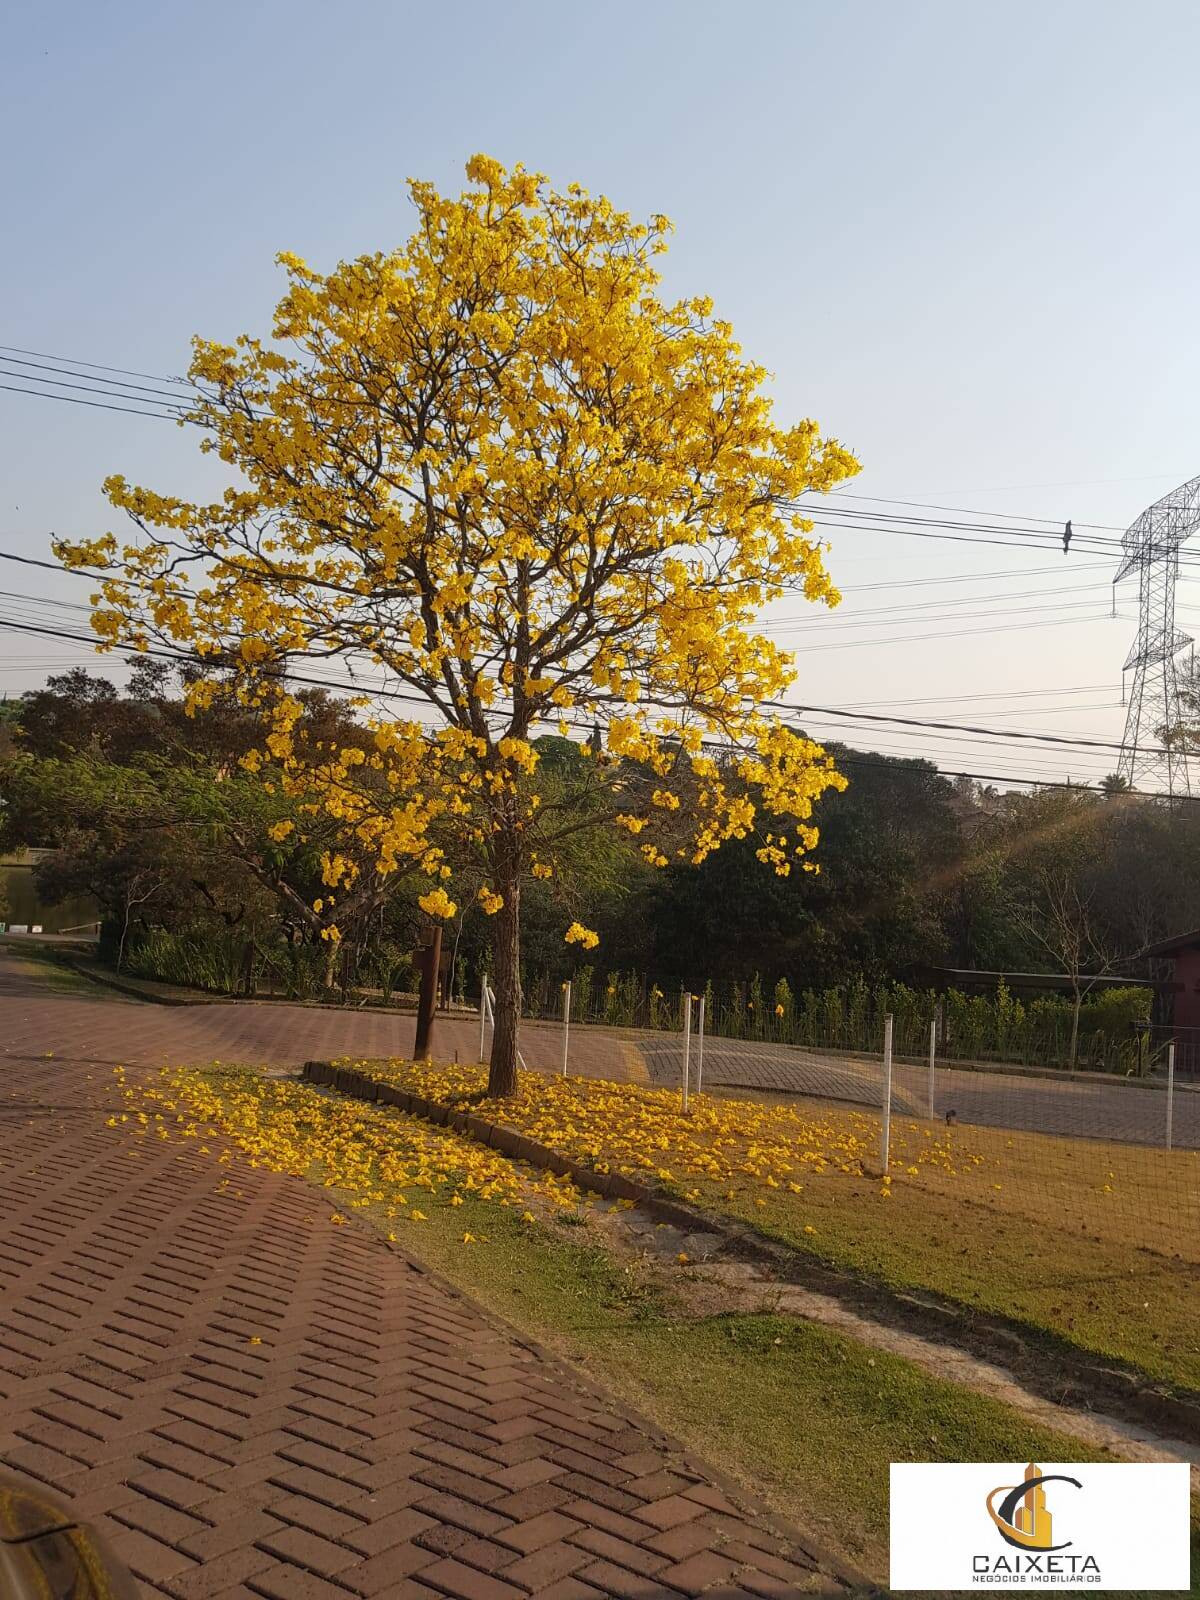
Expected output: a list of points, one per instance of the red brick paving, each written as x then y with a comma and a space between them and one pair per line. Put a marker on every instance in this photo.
253, 1401
101, 1028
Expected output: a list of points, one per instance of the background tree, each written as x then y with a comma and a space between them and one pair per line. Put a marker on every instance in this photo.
1057, 845
497, 467
889, 847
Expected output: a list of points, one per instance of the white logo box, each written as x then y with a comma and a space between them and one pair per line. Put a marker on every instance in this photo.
1114, 1525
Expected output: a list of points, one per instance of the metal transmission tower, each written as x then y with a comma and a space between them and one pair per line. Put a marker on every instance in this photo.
1151, 545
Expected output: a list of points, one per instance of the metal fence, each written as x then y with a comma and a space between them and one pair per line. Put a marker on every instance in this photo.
1002, 1028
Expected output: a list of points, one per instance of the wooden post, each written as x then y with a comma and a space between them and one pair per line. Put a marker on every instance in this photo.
687, 1051
431, 961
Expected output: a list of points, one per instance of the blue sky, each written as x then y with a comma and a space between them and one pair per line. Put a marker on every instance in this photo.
958, 235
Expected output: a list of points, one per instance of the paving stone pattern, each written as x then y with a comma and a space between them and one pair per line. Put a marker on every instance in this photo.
253, 1400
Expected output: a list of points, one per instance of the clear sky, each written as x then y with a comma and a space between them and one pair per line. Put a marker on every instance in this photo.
962, 236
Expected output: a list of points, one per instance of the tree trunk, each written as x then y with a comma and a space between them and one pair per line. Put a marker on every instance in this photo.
502, 1073
124, 933
1078, 999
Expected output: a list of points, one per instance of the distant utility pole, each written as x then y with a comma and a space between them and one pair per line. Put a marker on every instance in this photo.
1151, 547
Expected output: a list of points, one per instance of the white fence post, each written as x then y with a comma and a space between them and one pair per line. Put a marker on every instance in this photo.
700, 1044
1170, 1091
566, 1023
489, 1000
687, 1047
886, 1135
483, 1015
932, 1060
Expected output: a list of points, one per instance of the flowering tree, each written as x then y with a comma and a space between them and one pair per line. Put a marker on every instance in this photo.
497, 468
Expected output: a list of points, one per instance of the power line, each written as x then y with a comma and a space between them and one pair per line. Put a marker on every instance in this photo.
774, 705
85, 388
871, 618
78, 361
979, 577
849, 760
180, 395
99, 405
1006, 516
958, 633
842, 494
926, 722
998, 694
978, 525
834, 504
50, 566
850, 516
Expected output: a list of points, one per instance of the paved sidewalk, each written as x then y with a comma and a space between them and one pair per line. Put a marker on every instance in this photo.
104, 1028
255, 1401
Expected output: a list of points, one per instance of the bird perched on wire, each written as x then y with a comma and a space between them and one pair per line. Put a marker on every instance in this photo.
1067, 537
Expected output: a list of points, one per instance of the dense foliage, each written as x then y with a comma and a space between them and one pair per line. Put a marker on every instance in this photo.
147, 810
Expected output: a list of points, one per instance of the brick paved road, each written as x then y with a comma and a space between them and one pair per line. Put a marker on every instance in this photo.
107, 1029
255, 1402
104, 1028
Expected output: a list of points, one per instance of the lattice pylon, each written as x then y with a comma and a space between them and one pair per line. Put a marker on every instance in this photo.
1151, 546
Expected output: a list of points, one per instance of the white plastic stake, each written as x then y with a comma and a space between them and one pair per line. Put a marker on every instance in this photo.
483, 1016
566, 1023
700, 1044
1170, 1091
932, 1060
488, 1000
687, 1048
886, 1136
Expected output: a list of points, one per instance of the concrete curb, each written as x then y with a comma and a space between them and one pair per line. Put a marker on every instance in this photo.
1042, 1363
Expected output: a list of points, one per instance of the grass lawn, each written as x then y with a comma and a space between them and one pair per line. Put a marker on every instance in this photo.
1096, 1244
808, 1418
45, 964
